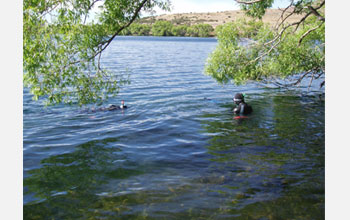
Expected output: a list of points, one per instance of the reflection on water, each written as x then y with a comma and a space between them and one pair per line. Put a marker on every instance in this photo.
270, 165
273, 162
185, 158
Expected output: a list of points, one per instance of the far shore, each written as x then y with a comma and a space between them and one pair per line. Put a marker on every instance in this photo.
214, 19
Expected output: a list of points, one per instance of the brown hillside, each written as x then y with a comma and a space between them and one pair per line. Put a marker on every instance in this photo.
218, 18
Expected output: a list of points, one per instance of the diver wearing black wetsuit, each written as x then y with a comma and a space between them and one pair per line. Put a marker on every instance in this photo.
242, 108
111, 107
114, 107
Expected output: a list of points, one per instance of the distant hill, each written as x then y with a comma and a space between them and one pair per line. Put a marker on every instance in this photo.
218, 18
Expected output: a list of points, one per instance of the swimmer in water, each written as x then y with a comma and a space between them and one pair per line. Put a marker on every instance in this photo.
242, 108
114, 107
122, 106
111, 107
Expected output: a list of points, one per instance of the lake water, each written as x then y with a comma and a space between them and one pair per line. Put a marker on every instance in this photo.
176, 152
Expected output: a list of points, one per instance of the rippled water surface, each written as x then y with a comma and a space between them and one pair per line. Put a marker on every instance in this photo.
176, 152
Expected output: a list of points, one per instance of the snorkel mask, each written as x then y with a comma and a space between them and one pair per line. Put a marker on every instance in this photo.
239, 97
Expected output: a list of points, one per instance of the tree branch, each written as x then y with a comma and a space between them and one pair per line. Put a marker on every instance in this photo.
136, 13
301, 21
89, 8
105, 44
92, 4
312, 78
293, 24
282, 15
321, 18
267, 52
54, 6
297, 82
308, 32
279, 35
315, 12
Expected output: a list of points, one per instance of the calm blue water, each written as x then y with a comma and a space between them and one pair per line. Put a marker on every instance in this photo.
176, 152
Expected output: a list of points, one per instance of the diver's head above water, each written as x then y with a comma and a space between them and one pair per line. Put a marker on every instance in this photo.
239, 98
115, 107
122, 105
242, 107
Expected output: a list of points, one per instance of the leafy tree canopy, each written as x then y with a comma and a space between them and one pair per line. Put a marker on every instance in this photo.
200, 30
140, 29
179, 30
250, 50
62, 50
162, 28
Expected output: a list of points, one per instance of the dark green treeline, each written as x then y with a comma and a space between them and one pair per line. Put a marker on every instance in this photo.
166, 28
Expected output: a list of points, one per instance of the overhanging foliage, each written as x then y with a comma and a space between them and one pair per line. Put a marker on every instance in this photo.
249, 50
62, 51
